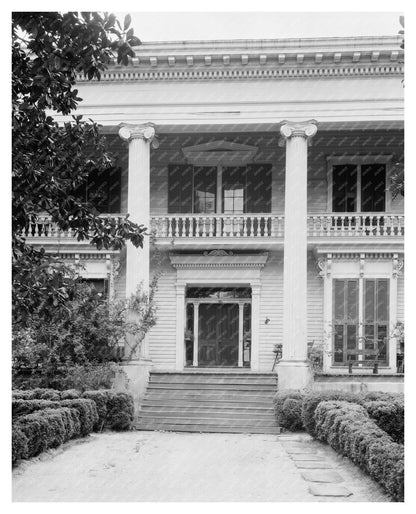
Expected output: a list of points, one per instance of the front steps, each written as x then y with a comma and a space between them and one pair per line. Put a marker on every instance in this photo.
227, 402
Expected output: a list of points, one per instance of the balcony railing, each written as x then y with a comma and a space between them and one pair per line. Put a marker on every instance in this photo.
44, 229
368, 225
272, 225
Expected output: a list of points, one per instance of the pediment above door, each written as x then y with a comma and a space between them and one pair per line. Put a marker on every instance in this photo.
216, 153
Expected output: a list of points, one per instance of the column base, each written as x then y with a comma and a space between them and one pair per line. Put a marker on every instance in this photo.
134, 380
294, 374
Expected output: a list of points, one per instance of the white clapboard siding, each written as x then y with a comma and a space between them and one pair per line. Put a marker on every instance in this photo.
315, 304
400, 298
162, 337
271, 307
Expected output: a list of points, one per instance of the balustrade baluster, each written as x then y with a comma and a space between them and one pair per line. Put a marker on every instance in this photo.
210, 228
245, 227
378, 230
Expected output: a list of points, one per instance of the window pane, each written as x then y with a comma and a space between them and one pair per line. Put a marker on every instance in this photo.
382, 341
369, 298
369, 337
352, 310
351, 337
382, 300
339, 343
339, 307
344, 188
373, 187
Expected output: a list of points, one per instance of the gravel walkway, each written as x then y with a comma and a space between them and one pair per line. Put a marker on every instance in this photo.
164, 467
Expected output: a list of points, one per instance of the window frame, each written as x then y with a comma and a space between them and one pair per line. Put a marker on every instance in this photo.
358, 160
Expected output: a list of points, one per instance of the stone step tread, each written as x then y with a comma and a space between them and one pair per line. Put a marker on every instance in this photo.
216, 386
206, 398
185, 414
201, 379
221, 373
208, 429
230, 421
208, 406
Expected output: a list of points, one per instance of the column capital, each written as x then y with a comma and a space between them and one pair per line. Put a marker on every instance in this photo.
306, 129
146, 131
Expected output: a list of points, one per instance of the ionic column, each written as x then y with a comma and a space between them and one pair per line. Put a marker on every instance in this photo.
139, 138
293, 369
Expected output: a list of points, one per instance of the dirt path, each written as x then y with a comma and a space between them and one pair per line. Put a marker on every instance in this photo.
161, 466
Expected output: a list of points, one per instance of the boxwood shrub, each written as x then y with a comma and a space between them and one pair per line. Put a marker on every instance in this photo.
120, 411
389, 416
348, 428
87, 410
288, 408
43, 429
101, 399
20, 449
314, 398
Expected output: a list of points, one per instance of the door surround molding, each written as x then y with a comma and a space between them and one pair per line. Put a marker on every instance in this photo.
218, 275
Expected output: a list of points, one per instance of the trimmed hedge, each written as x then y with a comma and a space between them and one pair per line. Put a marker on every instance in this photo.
20, 449
288, 408
101, 399
120, 411
41, 430
87, 410
36, 394
314, 398
113, 410
389, 416
348, 428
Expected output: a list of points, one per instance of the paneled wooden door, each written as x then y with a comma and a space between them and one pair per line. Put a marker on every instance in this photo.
218, 334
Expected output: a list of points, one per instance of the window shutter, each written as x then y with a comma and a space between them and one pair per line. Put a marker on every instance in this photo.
179, 188
259, 188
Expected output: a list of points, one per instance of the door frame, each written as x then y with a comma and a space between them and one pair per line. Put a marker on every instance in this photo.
196, 302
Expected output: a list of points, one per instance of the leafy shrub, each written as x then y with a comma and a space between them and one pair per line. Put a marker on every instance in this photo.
348, 428
89, 377
87, 410
288, 408
101, 399
120, 411
19, 444
313, 399
389, 416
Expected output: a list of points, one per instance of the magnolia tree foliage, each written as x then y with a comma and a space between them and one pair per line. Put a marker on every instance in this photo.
50, 161
52, 313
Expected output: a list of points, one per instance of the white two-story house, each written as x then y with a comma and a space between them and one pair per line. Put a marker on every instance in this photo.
262, 169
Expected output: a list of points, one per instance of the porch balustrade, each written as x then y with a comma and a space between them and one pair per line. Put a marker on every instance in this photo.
45, 228
247, 225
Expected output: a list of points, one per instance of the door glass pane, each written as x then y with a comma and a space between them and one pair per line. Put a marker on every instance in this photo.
233, 188
205, 188
373, 187
344, 188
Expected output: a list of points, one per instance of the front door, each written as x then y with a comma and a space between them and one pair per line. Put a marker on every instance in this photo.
218, 334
